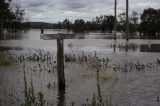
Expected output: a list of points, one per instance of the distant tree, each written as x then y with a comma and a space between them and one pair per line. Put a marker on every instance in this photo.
150, 21
19, 18
110, 22
59, 25
121, 22
105, 23
101, 22
91, 25
133, 24
66, 24
79, 25
88, 26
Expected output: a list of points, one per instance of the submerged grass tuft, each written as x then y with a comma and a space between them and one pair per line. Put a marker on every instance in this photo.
4, 62
103, 74
108, 75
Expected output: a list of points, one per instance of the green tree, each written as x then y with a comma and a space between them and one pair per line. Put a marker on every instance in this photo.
59, 25
79, 25
10, 18
91, 25
66, 24
158, 20
133, 24
5, 13
121, 22
101, 22
19, 18
110, 22
105, 23
150, 21
19, 13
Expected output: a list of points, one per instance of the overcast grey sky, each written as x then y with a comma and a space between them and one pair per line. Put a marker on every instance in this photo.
58, 10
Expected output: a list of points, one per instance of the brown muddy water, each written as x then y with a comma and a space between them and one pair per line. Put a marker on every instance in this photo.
97, 72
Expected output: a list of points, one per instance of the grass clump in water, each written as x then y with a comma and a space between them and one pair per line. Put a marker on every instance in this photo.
103, 74
107, 75
4, 62
32, 99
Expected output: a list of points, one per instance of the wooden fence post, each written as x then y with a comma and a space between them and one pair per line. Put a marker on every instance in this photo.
60, 63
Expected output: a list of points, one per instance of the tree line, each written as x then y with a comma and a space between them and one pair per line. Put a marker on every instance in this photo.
103, 23
145, 24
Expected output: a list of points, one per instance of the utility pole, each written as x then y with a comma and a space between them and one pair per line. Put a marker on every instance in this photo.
115, 20
1, 25
127, 21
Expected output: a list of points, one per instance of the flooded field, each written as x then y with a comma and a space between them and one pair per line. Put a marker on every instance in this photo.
98, 72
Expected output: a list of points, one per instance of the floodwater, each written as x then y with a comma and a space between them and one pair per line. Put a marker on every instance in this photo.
97, 70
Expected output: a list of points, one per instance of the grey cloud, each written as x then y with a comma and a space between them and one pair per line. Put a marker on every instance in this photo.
57, 10
36, 4
33, 3
74, 5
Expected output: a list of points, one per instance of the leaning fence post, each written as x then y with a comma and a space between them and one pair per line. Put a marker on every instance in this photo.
60, 63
